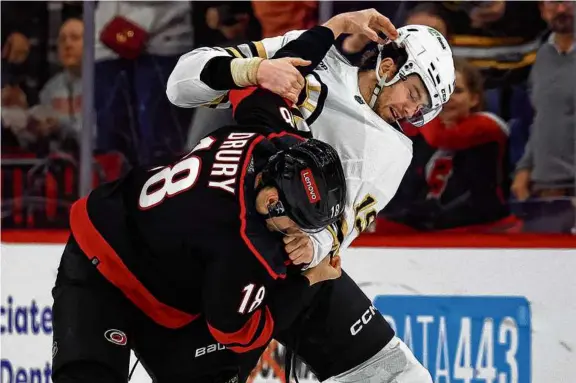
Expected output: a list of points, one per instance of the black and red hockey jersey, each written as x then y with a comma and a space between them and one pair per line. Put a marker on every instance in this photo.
184, 240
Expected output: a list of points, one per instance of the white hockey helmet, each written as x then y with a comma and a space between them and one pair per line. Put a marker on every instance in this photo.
429, 57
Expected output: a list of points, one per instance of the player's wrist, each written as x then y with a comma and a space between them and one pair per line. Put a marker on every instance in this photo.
311, 276
244, 71
336, 24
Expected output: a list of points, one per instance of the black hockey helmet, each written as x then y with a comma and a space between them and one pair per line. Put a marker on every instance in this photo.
311, 184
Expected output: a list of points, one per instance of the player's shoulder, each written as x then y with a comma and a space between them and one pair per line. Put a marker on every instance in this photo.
493, 119
387, 150
251, 245
390, 139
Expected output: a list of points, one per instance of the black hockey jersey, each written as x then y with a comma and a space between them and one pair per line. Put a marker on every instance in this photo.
185, 240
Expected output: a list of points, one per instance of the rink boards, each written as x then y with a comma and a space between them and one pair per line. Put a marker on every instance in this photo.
469, 315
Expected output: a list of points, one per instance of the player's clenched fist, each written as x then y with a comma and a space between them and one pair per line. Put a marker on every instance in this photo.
281, 77
326, 270
298, 246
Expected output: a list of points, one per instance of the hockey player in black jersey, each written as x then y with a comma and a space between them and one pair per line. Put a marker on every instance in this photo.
179, 262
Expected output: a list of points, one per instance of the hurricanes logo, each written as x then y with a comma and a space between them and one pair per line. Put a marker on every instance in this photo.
310, 185
116, 336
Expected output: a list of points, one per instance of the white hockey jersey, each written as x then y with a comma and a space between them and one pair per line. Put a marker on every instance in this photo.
374, 155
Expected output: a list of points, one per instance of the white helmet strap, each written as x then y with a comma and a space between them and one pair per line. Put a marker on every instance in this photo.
382, 80
381, 83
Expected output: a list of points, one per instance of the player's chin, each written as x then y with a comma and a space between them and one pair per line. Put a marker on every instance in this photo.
387, 115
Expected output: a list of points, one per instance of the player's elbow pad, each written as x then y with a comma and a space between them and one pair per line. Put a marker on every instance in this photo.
255, 333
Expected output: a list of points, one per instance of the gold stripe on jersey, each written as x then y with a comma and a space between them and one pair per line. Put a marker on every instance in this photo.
234, 52
308, 106
313, 89
311, 103
335, 250
217, 101
261, 50
364, 213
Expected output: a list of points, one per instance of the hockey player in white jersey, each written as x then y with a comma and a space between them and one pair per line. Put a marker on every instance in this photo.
353, 110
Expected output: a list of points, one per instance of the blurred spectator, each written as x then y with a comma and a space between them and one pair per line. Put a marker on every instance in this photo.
455, 176
279, 17
499, 37
204, 21
548, 166
429, 14
63, 92
24, 46
14, 119
16, 48
55, 122
137, 45
231, 19
235, 22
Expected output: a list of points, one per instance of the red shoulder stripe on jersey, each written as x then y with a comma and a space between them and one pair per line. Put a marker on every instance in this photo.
115, 271
236, 96
243, 234
243, 339
271, 136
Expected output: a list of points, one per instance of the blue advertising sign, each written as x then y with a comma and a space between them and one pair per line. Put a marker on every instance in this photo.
468, 339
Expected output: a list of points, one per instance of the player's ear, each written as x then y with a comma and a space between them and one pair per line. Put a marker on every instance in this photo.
272, 197
267, 196
387, 68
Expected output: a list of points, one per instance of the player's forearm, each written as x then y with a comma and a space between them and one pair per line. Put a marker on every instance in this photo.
336, 24
312, 45
288, 301
186, 86
224, 73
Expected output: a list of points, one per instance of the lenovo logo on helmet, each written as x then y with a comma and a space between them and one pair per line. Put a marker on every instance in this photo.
310, 186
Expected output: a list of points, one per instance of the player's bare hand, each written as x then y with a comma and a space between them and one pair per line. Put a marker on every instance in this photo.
298, 246
280, 76
521, 185
368, 22
354, 43
329, 268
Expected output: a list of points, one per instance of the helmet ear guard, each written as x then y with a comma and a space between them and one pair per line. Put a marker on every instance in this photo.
428, 56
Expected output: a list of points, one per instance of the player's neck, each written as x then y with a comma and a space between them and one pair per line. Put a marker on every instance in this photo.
366, 83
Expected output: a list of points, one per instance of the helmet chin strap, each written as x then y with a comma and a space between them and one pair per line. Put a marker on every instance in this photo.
381, 83
380, 86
